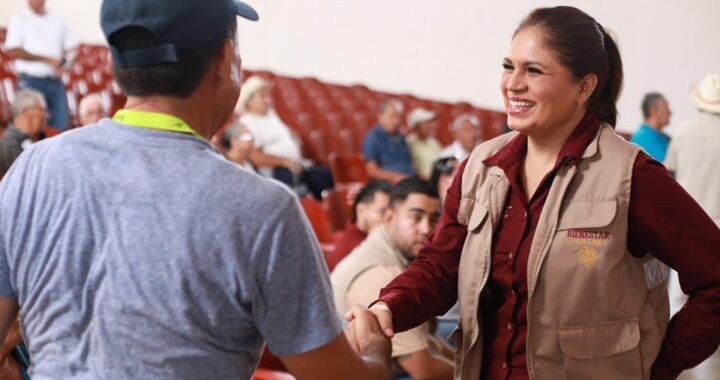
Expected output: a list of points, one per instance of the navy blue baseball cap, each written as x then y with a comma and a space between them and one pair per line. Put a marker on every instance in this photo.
177, 25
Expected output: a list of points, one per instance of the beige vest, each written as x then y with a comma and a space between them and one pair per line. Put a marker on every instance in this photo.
594, 311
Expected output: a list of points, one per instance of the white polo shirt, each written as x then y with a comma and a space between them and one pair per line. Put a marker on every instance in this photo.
44, 35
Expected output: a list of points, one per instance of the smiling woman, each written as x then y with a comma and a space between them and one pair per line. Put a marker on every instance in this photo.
554, 237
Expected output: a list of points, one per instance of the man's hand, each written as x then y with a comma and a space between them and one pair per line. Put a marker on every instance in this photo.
293, 166
382, 314
56, 65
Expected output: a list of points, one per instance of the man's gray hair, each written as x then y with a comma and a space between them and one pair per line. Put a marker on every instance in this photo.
390, 102
650, 101
458, 122
27, 98
87, 101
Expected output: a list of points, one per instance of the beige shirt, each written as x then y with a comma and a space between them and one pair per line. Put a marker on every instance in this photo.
424, 153
693, 155
365, 289
358, 278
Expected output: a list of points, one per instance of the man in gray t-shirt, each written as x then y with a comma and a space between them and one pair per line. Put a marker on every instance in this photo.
134, 250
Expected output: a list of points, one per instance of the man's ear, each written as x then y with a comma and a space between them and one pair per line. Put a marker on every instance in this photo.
389, 215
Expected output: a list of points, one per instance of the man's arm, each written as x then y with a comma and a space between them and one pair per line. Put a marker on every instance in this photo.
375, 172
8, 313
20, 53
263, 160
337, 360
425, 365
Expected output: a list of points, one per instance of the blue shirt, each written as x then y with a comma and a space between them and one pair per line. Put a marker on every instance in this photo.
654, 142
144, 254
390, 152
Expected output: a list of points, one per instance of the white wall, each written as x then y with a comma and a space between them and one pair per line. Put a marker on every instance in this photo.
452, 50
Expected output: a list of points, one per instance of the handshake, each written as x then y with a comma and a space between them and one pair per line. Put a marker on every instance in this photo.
370, 331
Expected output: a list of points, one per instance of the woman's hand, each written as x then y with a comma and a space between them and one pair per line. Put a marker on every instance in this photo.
382, 313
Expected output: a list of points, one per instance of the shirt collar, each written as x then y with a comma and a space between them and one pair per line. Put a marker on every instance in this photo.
571, 152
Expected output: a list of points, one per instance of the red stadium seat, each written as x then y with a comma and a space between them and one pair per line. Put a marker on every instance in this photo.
318, 220
336, 207
348, 168
266, 374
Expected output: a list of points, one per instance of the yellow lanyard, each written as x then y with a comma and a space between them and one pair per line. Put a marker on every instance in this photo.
153, 120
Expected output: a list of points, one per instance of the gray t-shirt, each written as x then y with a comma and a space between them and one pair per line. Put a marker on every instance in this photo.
143, 254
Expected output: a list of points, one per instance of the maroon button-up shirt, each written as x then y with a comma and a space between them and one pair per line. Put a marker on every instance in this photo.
663, 221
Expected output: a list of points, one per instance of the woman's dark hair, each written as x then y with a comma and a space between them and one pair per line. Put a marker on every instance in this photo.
583, 46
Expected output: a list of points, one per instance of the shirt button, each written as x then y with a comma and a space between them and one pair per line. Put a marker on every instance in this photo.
512, 292
509, 326
504, 365
510, 255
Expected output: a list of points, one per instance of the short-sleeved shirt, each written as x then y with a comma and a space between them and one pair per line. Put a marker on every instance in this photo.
653, 142
424, 153
144, 254
44, 35
271, 135
389, 152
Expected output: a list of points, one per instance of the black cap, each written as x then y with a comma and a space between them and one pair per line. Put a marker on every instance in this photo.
176, 25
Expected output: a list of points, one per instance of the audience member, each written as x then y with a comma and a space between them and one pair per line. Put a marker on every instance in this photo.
368, 211
693, 155
29, 121
466, 129
134, 250
650, 136
443, 173
424, 147
91, 109
277, 151
41, 44
386, 153
387, 251
237, 142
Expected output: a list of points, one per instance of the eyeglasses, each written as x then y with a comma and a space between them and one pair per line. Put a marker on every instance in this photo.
246, 137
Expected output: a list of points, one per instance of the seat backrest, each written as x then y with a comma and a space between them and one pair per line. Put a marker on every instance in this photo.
336, 207
348, 168
318, 219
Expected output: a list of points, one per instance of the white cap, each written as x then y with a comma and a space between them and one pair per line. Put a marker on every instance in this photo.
420, 115
250, 87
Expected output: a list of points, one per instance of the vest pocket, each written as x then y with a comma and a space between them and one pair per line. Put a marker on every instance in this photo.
609, 350
587, 214
478, 216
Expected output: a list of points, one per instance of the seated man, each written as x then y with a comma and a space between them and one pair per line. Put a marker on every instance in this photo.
414, 209
386, 153
91, 109
424, 147
277, 150
30, 118
368, 210
237, 142
466, 128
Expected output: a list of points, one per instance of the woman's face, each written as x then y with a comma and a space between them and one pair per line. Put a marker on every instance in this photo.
540, 94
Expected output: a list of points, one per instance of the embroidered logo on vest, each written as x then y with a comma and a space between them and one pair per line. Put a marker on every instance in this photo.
588, 241
587, 255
